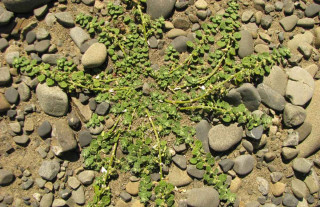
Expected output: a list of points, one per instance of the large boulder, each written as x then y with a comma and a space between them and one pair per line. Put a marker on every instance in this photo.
23, 6
158, 8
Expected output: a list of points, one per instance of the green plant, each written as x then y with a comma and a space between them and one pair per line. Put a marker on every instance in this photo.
95, 121
164, 194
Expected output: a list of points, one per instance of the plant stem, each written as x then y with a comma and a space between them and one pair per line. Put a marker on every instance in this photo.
112, 156
143, 23
158, 141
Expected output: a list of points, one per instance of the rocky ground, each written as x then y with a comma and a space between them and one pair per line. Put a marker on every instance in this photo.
43, 131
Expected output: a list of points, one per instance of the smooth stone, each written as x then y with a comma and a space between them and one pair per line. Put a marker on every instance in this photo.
6, 177
293, 115
180, 161
202, 130
5, 16
102, 108
289, 153
65, 19
5, 76
302, 165
23, 6
246, 16
226, 165
278, 189
4, 104
46, 200
299, 189
24, 92
180, 43
243, 164
194, 172
10, 56
84, 47
288, 23
84, 138
222, 138
79, 36
53, 100
201, 4
305, 49
306, 22
249, 96
181, 23
266, 21
255, 133
289, 200
49, 170
153, 42
21, 140
271, 98
41, 11
59, 203
317, 37
3, 44
44, 129
95, 56
263, 185
132, 188
42, 46
312, 69
276, 176
12, 95
288, 7
277, 80
307, 37
304, 130
86, 177
246, 45
78, 196
252, 204
261, 48
178, 177
125, 196
51, 58
158, 8
176, 33
15, 127
42, 34
73, 182
63, 139
203, 197
312, 10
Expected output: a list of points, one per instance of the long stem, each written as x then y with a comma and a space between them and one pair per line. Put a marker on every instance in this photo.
158, 141
112, 156
143, 23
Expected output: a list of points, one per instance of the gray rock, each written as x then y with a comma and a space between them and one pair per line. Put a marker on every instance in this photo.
289, 153
270, 97
306, 22
176, 33
246, 16
202, 130
126, 197
63, 138
178, 177
289, 200
95, 56
299, 189
65, 194
261, 48
24, 92
42, 46
10, 56
31, 37
302, 165
102, 108
276, 176
41, 11
23, 6
312, 182
79, 36
181, 5
40, 182
15, 127
65, 19
78, 196
203, 197
222, 138
47, 200
255, 133
300, 86
153, 42
6, 177
288, 7
248, 146
28, 184
288, 23
21, 140
84, 47
59, 203
84, 138
158, 8
50, 19
305, 49
312, 10
49, 169
3, 44
96, 130
51, 58
263, 185
266, 21
226, 165
259, 5
292, 140
42, 34
181, 23
243, 164
44, 129
249, 96
195, 27
5, 16
253, 204
194, 172
11, 95
233, 97
86, 177
180, 43
5, 76
180, 161
316, 42
246, 46
278, 6
304, 130
53, 100
307, 37
293, 115
73, 182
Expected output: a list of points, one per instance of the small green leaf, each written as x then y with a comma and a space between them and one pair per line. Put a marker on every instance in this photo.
41, 78
49, 82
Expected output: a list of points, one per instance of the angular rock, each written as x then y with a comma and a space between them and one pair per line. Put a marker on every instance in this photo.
84, 138
53, 100
243, 164
158, 8
4, 105
73, 182
83, 111
312, 10
95, 56
277, 80
24, 92
203, 197
132, 188
255, 133
63, 138
23, 6
271, 98
79, 36
288, 23
226, 165
293, 115
289, 200
246, 46
278, 189
263, 185
181, 23
306, 22
49, 170
289, 153
307, 37
65, 19
222, 138
41, 11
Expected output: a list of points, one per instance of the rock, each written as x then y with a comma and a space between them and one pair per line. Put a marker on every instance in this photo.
288, 23
79, 36
86, 177
263, 185
132, 188
5, 76
249, 96
194, 172
312, 69
181, 5
202, 130
49, 169
12, 95
78, 196
266, 21
261, 48
63, 138
53, 100
277, 80
41, 11
176, 33
304, 130
158, 8
28, 184
83, 111
84, 47
3, 44
59, 203
28, 125
84, 138
246, 16
15, 127
305, 49
24, 92
306, 22
289, 200
46, 200
23, 6
153, 42
181, 23
307, 37
102, 108
42, 46
302, 165
278, 189
178, 177
289, 153
6, 177
226, 165
246, 46
203, 197
51, 58
180, 43
288, 7
252, 204
44, 129
4, 105
259, 4
276, 176
5, 16
317, 37
21, 140
293, 115
312, 182
235, 184
312, 10
271, 98
180, 161
42, 34
299, 189
95, 56
222, 138
255, 133
243, 164
73, 182
300, 86
248, 146
10, 56
201, 4
65, 19
96, 130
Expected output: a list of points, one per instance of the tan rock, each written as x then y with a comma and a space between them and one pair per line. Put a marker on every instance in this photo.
278, 189
235, 184
179, 177
132, 188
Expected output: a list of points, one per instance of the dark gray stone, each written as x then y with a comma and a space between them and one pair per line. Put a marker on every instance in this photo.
49, 169
255, 133
23, 6
180, 161
79, 36
243, 164
51, 58
202, 130
180, 43
246, 45
158, 8
24, 92
126, 197
249, 96
84, 138
293, 115
11, 95
42, 46
6, 177
102, 108
44, 129
271, 98
5, 76
304, 130
65, 19
226, 165
266, 21
153, 42
194, 172
181, 23
63, 138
